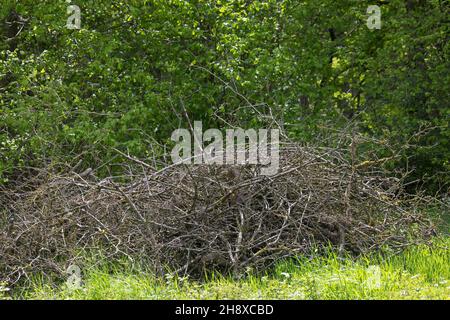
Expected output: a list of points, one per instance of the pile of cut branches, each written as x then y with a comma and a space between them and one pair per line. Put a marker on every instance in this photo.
192, 218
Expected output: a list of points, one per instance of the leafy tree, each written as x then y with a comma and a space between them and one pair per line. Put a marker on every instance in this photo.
137, 70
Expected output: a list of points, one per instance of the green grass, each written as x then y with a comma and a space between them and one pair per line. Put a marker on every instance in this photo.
420, 272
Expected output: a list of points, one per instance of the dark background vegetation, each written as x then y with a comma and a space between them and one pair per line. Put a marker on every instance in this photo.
137, 70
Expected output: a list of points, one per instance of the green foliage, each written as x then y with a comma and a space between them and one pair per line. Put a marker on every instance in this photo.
139, 69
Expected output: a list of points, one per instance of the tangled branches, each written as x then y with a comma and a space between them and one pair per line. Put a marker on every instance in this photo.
195, 217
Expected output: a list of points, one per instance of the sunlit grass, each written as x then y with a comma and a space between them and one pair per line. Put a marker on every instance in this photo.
420, 272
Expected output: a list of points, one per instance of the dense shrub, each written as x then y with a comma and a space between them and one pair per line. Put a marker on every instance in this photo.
139, 69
